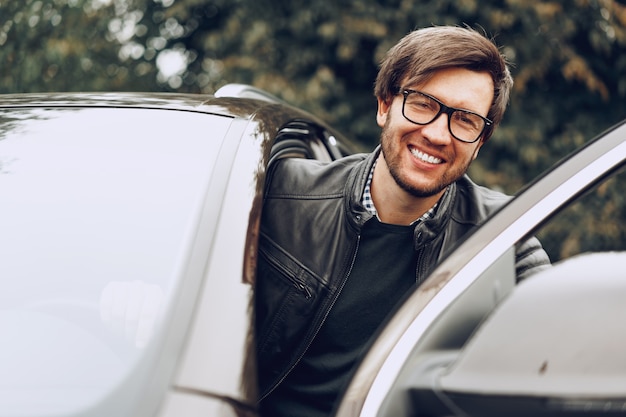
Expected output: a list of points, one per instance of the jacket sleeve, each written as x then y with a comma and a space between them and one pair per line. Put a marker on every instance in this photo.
530, 258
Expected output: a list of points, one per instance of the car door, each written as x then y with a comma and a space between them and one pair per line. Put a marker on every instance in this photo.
415, 365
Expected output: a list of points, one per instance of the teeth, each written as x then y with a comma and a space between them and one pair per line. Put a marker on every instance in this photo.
425, 157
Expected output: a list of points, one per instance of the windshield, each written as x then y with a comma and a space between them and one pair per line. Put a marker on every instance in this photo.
97, 210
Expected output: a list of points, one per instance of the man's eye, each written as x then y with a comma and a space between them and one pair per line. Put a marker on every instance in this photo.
468, 120
423, 104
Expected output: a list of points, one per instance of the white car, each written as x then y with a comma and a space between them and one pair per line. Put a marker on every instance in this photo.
128, 233
128, 227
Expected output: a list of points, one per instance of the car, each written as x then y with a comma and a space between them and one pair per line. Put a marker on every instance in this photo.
128, 233
471, 341
128, 225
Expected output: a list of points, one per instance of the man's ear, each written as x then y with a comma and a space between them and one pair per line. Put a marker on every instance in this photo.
383, 111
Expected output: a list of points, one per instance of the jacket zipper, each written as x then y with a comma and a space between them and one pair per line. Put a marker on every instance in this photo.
298, 284
343, 283
423, 259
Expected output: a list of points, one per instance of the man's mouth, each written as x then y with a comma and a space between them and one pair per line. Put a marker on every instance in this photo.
424, 157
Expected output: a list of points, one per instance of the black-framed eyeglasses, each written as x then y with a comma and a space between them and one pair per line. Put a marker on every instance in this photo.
422, 109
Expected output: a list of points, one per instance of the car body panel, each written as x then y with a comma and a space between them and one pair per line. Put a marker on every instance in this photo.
151, 203
221, 311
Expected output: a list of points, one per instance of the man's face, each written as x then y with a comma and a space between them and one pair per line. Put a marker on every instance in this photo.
424, 159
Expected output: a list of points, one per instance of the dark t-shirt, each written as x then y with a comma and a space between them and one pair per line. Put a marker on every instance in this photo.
383, 272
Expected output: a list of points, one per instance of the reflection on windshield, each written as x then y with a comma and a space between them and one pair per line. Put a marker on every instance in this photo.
132, 310
97, 210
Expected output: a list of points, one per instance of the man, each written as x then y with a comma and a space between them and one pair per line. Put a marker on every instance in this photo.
341, 243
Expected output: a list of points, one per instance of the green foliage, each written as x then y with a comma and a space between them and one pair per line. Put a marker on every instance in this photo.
568, 56
594, 223
64, 45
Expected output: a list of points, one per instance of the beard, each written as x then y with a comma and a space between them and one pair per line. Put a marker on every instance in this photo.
391, 150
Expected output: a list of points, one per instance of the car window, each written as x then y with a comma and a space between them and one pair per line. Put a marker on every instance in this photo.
97, 210
596, 222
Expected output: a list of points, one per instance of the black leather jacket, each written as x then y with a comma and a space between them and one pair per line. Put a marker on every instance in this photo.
310, 232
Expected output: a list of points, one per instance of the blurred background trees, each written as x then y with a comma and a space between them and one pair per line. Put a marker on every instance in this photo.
569, 59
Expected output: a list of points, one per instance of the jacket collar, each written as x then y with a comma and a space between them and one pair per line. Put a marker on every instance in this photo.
355, 186
429, 229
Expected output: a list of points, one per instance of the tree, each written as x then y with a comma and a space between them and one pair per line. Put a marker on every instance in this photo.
59, 45
569, 60
324, 55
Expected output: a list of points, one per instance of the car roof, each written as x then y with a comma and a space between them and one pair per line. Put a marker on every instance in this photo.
232, 100
204, 103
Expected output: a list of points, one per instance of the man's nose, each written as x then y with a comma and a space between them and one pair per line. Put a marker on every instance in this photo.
437, 131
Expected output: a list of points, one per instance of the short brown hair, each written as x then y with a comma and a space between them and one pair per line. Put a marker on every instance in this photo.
421, 53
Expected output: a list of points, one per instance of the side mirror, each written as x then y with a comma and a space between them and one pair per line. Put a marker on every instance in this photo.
555, 347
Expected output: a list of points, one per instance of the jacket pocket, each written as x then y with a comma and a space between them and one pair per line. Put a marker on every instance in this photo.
287, 295
287, 268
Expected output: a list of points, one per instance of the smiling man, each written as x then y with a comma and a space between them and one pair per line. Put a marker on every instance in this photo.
427, 145
342, 243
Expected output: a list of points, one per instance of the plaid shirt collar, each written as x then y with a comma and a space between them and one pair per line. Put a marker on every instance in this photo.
368, 203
